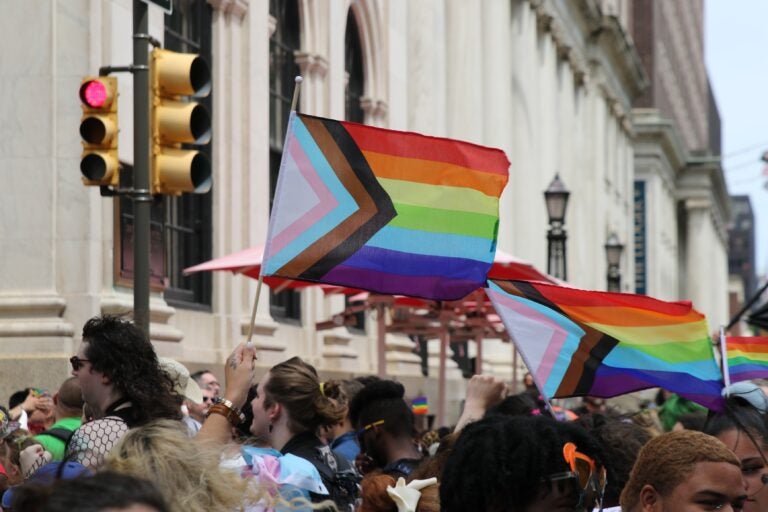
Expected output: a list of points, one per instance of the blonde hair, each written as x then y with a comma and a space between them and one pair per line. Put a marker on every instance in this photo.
294, 385
186, 472
669, 459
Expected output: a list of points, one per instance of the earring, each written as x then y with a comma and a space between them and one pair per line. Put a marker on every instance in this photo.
270, 428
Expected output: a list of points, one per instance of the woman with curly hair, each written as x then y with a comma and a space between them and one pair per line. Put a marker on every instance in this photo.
123, 384
522, 464
189, 477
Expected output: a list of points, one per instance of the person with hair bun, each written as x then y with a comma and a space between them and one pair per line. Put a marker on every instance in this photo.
288, 411
386, 430
342, 436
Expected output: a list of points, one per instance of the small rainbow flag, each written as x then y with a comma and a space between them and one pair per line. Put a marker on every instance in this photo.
386, 211
419, 405
603, 344
747, 357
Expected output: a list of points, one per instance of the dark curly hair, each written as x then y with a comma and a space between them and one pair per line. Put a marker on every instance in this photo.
499, 462
118, 349
621, 442
383, 400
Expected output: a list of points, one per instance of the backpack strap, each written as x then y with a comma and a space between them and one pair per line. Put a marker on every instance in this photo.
59, 433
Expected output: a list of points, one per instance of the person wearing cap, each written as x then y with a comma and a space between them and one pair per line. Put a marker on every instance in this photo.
186, 388
122, 382
196, 412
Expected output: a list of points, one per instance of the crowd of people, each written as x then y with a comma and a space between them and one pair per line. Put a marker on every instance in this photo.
133, 431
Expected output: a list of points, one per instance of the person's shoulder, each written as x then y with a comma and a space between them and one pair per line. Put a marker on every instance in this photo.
68, 423
102, 427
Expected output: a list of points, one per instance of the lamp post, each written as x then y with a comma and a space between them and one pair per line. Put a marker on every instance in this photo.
556, 198
613, 250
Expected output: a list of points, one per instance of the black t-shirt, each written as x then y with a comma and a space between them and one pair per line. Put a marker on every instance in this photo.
338, 475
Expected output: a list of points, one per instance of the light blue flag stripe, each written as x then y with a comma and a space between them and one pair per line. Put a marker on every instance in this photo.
347, 205
434, 244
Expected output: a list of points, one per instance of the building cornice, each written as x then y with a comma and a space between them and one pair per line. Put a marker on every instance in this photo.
596, 48
615, 45
657, 135
702, 183
237, 8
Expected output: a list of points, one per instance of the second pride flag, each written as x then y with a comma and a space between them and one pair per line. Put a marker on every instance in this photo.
590, 343
747, 357
382, 210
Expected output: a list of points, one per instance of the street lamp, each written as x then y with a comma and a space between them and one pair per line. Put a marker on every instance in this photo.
556, 198
613, 250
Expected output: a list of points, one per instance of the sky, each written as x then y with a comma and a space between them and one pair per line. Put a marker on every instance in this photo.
735, 47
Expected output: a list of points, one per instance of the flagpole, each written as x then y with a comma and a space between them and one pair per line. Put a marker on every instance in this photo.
295, 100
249, 341
539, 386
724, 356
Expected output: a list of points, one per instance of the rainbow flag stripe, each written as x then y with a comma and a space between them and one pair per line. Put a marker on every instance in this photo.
419, 405
381, 210
579, 343
747, 357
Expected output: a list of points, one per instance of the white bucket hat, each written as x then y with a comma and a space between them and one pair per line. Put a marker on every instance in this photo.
182, 383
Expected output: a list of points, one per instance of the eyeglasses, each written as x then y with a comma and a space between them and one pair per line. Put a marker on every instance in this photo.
207, 399
360, 433
76, 362
587, 474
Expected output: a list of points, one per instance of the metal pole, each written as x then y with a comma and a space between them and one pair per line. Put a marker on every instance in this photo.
381, 339
746, 306
441, 377
142, 197
515, 379
479, 355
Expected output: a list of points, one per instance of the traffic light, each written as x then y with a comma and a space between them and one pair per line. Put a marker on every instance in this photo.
99, 163
177, 79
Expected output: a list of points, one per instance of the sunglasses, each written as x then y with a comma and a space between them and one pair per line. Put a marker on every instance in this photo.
207, 399
585, 474
77, 363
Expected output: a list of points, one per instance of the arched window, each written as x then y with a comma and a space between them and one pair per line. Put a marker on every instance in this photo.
353, 65
283, 69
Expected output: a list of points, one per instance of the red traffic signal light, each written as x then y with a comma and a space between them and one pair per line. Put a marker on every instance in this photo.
98, 128
94, 93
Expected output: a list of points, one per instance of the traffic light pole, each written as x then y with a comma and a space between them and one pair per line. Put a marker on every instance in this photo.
142, 197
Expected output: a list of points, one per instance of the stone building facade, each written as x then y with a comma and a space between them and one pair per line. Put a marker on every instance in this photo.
560, 86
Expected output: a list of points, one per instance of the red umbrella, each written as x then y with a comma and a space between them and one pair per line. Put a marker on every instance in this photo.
248, 262
506, 266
